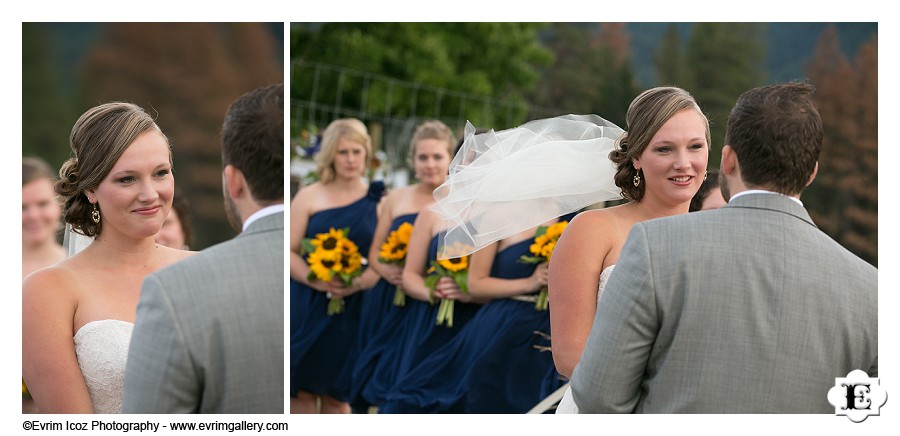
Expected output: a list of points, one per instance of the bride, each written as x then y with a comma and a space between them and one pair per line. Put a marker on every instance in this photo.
505, 182
661, 162
77, 315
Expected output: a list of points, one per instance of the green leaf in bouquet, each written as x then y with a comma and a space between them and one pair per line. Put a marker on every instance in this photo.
532, 260
541, 230
306, 246
431, 281
462, 280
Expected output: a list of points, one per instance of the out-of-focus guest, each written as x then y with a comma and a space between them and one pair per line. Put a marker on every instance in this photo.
177, 229
41, 212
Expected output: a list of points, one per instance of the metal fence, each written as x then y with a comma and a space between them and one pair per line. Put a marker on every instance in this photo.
325, 92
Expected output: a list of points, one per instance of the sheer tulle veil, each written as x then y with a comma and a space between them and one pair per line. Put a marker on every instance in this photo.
505, 182
74, 241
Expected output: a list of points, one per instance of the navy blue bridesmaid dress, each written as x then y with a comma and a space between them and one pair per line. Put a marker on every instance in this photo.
420, 337
321, 344
379, 327
499, 363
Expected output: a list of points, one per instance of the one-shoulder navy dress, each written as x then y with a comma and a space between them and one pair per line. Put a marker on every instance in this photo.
379, 328
321, 344
420, 338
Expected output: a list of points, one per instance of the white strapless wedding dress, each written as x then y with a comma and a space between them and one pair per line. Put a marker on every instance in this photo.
567, 403
102, 350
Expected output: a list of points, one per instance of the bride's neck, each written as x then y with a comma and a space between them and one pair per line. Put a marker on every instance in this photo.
123, 250
652, 209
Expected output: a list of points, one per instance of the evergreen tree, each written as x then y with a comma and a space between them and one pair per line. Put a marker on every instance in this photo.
591, 74
398, 69
45, 110
844, 197
670, 60
725, 59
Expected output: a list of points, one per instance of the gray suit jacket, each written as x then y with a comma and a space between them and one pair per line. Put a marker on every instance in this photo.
209, 334
746, 309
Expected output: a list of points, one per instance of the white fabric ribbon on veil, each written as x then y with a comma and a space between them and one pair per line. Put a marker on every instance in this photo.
505, 182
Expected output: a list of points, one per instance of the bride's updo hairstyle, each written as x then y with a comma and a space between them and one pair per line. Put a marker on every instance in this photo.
98, 139
646, 115
350, 129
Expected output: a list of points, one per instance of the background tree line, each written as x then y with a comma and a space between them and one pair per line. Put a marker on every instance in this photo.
537, 70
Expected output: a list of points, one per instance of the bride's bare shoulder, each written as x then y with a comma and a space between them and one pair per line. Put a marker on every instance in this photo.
54, 285
173, 255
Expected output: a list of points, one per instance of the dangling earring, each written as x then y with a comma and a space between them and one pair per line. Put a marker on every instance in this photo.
95, 215
637, 179
705, 175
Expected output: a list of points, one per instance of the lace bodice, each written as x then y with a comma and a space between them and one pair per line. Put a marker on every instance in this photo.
604, 276
102, 350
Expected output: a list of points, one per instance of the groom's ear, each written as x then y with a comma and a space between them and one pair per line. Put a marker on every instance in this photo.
234, 181
813, 175
729, 160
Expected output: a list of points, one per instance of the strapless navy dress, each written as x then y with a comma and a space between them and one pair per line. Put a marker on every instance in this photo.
379, 328
419, 338
499, 363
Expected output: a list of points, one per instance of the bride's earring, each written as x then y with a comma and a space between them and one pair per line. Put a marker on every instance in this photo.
705, 175
637, 179
95, 215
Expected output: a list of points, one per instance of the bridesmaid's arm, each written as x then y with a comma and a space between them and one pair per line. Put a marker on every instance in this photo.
417, 257
574, 276
300, 211
392, 273
49, 364
482, 285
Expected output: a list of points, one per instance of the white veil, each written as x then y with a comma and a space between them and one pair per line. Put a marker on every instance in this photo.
75, 242
502, 183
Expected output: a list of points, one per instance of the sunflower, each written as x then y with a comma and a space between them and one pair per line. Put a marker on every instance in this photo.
554, 231
352, 263
329, 244
348, 248
404, 232
455, 264
393, 250
539, 243
320, 266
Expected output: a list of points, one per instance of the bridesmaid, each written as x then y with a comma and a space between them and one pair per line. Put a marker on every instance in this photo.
41, 217
431, 149
421, 336
320, 343
500, 361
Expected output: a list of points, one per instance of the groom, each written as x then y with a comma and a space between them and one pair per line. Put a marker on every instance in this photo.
209, 335
746, 309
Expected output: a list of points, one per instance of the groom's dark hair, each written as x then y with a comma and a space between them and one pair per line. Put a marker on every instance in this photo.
776, 132
253, 141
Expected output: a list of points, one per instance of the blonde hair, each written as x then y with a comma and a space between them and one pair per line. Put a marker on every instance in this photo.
98, 139
350, 129
431, 129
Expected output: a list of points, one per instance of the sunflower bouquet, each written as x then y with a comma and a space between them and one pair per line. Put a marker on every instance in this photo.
331, 255
393, 252
542, 249
455, 268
